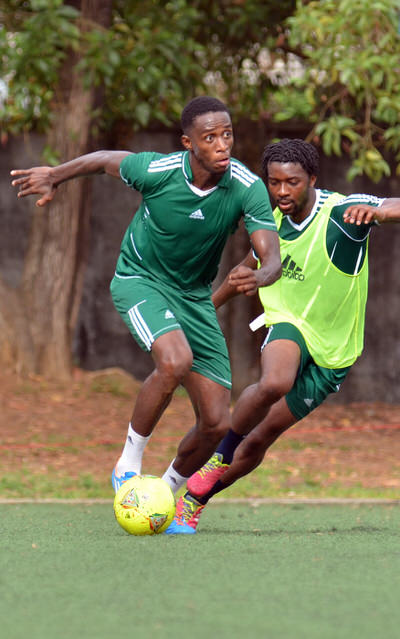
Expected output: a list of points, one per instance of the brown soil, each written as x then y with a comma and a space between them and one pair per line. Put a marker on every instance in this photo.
80, 427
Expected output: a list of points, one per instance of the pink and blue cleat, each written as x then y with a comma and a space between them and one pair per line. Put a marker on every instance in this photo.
201, 482
187, 514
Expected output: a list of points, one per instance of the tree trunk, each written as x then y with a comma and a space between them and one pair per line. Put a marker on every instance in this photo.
37, 319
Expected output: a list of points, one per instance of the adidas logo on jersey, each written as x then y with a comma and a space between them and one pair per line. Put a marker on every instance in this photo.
291, 270
197, 215
169, 315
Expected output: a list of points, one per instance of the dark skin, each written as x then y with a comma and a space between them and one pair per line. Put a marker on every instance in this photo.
364, 214
209, 142
261, 411
292, 189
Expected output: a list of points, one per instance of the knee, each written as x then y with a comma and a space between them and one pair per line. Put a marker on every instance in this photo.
174, 365
270, 390
215, 423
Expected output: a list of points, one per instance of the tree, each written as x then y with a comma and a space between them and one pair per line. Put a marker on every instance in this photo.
344, 79
37, 318
73, 70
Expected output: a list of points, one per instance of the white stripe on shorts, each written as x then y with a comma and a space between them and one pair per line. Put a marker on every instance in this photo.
140, 325
265, 342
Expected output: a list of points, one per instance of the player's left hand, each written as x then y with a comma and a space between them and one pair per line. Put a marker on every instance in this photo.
361, 214
244, 280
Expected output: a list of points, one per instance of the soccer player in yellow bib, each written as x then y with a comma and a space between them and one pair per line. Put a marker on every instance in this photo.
314, 315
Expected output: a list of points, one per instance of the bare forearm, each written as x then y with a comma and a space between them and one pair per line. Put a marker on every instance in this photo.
389, 211
269, 271
226, 289
224, 293
90, 164
43, 180
266, 246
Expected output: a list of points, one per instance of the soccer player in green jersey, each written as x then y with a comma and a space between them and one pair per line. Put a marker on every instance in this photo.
192, 201
314, 315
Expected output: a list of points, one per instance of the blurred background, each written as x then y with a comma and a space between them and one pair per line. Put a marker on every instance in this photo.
80, 76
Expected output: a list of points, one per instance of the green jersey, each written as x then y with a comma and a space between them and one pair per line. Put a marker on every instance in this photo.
178, 233
323, 288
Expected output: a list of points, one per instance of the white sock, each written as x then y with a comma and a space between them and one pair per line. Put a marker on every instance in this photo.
173, 478
131, 458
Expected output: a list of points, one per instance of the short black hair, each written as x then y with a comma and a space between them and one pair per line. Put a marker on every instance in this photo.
198, 106
291, 150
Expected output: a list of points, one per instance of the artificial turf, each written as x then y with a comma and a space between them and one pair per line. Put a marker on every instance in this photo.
274, 571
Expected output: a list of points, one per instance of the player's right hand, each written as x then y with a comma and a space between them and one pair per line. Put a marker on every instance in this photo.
35, 181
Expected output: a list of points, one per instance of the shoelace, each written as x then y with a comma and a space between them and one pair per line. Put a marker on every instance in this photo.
188, 510
210, 465
196, 515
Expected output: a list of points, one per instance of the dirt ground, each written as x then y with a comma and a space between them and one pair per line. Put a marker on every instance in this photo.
80, 427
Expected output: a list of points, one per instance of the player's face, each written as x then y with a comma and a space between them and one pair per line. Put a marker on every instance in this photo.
210, 140
291, 188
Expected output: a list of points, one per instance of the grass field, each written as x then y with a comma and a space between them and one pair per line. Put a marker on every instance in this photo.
276, 571
288, 571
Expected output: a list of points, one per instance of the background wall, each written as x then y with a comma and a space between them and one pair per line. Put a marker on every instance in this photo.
102, 340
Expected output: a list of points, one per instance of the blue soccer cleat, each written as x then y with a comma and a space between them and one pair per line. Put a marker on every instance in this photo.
179, 528
118, 481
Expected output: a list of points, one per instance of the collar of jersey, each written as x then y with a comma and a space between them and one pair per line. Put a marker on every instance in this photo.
187, 172
310, 216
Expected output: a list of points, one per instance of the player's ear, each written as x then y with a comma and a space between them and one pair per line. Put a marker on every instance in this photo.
313, 179
186, 142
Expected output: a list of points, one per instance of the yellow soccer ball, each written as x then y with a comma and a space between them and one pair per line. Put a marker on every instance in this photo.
144, 505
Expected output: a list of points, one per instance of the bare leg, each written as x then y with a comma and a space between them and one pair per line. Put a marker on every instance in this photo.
250, 453
211, 405
173, 358
280, 361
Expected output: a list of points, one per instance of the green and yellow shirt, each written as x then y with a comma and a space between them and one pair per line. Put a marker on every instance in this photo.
324, 283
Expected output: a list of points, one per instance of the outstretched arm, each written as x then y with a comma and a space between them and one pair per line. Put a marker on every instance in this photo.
43, 180
245, 277
358, 214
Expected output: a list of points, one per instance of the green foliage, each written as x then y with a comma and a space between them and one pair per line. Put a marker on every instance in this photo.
349, 87
236, 34
141, 64
147, 64
331, 63
34, 38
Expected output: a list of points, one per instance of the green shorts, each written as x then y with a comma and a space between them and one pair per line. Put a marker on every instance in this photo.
150, 309
313, 383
